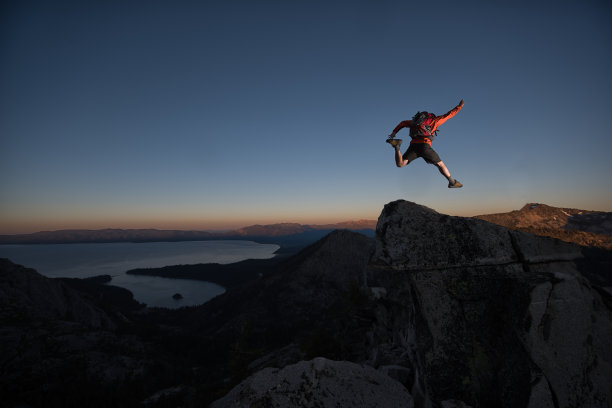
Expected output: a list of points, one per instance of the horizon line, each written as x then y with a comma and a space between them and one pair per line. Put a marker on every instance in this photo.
361, 220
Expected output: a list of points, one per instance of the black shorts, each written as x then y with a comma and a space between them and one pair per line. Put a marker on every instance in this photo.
421, 150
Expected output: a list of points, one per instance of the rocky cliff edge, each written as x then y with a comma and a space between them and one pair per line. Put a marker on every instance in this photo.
462, 312
489, 316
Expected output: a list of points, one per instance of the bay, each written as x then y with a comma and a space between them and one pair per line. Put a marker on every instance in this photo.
114, 259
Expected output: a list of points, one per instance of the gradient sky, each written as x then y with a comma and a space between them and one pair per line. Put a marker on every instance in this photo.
218, 114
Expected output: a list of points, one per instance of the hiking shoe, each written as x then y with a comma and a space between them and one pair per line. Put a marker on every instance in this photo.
456, 184
394, 142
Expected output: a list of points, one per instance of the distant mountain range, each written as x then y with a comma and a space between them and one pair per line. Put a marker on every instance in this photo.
151, 235
583, 227
276, 230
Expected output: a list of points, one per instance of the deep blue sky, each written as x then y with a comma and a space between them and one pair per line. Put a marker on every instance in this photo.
216, 114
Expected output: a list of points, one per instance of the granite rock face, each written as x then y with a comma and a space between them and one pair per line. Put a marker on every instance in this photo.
318, 383
414, 237
485, 315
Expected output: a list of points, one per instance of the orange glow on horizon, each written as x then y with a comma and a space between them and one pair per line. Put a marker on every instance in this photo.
16, 222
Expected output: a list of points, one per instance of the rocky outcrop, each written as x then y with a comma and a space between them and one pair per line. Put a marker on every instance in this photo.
414, 237
318, 383
485, 315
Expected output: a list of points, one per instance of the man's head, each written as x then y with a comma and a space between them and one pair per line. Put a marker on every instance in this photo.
421, 116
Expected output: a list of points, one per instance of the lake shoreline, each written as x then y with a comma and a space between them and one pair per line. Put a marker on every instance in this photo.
111, 261
226, 275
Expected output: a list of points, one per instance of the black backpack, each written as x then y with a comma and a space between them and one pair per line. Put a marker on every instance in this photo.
422, 123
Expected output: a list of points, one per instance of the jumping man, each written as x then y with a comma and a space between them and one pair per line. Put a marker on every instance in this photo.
422, 130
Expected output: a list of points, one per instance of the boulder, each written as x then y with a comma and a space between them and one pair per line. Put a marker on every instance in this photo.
318, 383
413, 237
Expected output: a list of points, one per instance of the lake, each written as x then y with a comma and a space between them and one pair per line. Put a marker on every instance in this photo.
86, 260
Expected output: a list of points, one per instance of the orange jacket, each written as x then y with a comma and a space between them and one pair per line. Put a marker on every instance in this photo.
438, 120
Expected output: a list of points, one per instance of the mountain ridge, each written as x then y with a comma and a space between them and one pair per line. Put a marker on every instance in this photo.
583, 227
152, 235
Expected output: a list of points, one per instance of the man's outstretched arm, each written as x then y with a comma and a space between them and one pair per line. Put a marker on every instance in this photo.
441, 119
400, 126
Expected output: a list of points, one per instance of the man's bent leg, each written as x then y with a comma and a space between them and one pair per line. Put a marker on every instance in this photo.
399, 159
396, 143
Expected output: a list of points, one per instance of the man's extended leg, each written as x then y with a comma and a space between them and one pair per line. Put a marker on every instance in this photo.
452, 183
443, 169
